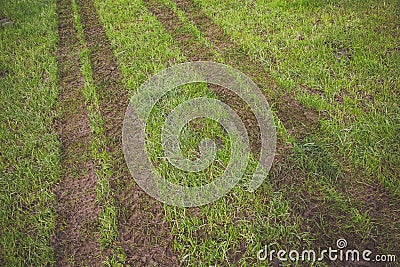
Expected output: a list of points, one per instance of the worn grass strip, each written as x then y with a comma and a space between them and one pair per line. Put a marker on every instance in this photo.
123, 49
135, 219
204, 251
29, 148
322, 164
76, 240
331, 91
148, 41
108, 216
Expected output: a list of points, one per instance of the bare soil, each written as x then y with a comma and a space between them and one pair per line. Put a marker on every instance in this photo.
75, 241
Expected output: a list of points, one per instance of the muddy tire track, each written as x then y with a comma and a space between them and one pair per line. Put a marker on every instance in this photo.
76, 240
144, 234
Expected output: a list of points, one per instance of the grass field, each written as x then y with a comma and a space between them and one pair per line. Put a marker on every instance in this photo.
329, 70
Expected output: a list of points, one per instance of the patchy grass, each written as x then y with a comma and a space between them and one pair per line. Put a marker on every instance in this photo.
337, 57
229, 228
338, 178
287, 55
30, 151
319, 168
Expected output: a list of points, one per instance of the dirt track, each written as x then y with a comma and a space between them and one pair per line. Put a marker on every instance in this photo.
76, 241
144, 234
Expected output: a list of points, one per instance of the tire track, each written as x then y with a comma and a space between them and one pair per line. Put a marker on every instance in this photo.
143, 231
75, 241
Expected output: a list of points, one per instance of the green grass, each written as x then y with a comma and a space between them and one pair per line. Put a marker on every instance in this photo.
287, 53
344, 66
323, 171
136, 43
339, 58
30, 151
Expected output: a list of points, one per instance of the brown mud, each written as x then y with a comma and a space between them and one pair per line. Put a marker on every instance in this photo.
76, 240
